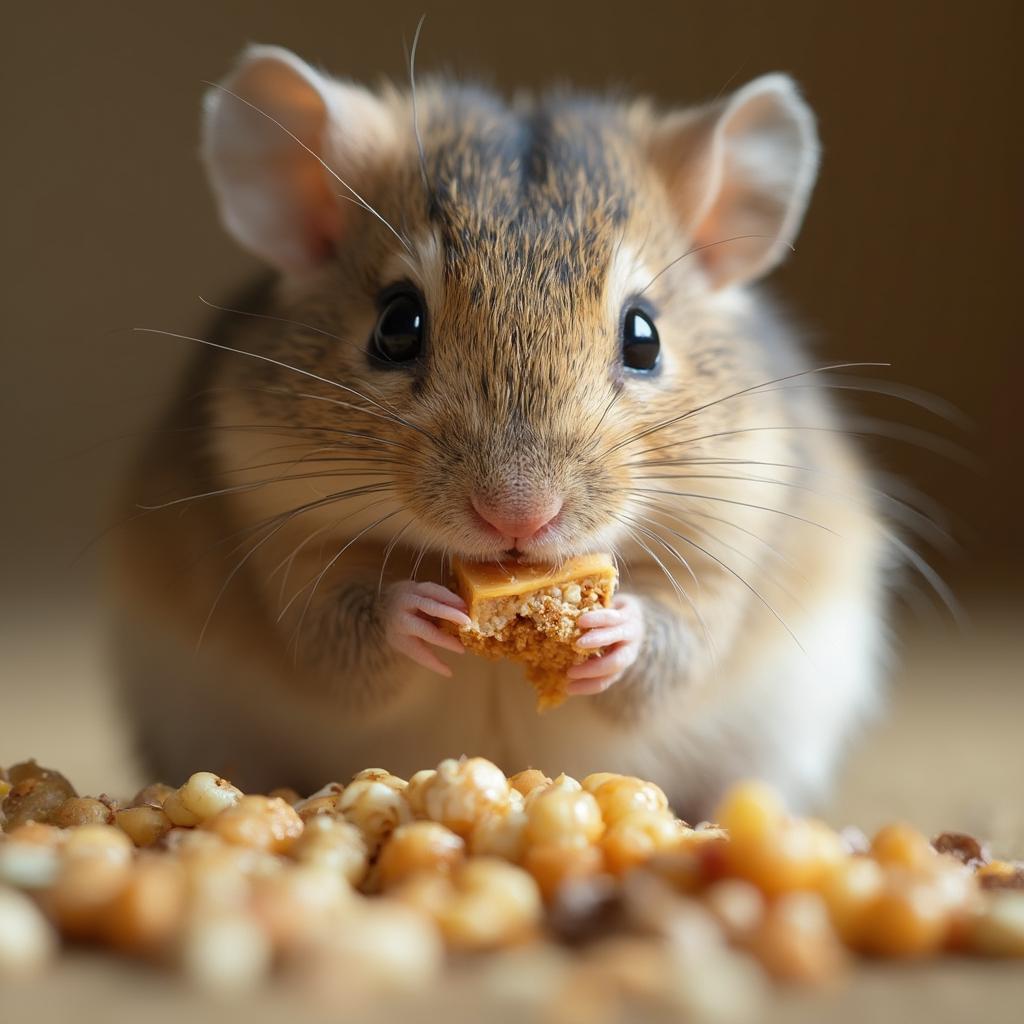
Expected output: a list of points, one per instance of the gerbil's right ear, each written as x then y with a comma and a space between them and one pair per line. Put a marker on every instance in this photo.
276, 138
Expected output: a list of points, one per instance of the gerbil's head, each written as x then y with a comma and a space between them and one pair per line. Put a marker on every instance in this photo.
486, 302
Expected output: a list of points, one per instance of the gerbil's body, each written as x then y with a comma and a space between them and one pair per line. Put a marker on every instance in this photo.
305, 475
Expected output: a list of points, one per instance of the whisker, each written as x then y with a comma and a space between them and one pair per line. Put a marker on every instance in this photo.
289, 560
736, 394
415, 107
749, 586
285, 517
317, 455
334, 559
676, 586
419, 558
709, 245
285, 366
932, 578
363, 350
730, 547
934, 404
255, 485
666, 509
923, 524
732, 501
863, 427
672, 551
387, 553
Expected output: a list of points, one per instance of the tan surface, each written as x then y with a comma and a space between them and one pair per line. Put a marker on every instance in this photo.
947, 755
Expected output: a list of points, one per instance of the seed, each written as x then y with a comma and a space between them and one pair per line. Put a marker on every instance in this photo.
206, 794
35, 797
637, 836
28, 865
796, 942
749, 812
500, 835
375, 808
900, 845
144, 825
79, 810
333, 845
463, 791
526, 781
998, 929
83, 892
908, 918
152, 795
1001, 874
27, 942
737, 906
485, 903
296, 906
381, 775
287, 794
146, 913
622, 795
98, 841
379, 945
850, 891
553, 865
175, 809
418, 846
225, 952
964, 847
560, 816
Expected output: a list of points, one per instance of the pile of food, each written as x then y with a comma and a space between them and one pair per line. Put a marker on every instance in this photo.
569, 890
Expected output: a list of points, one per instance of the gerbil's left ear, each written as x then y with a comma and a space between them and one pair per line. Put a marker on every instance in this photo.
739, 173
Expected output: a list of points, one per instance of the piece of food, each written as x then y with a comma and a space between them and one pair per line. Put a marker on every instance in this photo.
529, 612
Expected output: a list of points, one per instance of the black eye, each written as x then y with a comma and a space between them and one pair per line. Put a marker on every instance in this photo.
398, 334
640, 344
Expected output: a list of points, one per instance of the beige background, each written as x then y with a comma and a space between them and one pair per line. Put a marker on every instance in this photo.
911, 254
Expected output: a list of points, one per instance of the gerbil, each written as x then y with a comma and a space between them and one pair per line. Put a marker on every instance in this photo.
500, 330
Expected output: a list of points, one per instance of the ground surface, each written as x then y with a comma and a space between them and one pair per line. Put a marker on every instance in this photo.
948, 755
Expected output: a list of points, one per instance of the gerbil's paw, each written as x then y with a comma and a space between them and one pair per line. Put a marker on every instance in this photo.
620, 629
410, 608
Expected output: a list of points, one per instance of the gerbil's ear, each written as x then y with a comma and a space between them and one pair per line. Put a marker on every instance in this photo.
743, 166
276, 136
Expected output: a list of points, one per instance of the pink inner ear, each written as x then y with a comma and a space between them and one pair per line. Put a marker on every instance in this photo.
323, 229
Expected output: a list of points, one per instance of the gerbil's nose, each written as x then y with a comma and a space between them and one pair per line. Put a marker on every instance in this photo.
520, 523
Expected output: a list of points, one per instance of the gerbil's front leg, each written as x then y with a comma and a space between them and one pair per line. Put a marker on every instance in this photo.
359, 635
353, 635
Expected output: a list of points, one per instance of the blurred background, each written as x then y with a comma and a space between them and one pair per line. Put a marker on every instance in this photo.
910, 253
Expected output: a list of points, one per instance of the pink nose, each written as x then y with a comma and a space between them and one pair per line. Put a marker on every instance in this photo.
521, 524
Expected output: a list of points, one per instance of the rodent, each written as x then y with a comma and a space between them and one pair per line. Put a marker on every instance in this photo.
500, 329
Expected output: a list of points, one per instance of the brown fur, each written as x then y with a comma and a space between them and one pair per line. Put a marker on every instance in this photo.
532, 210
